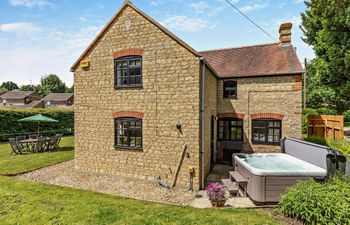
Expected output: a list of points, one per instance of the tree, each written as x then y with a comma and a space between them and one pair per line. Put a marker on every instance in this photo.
9, 85
318, 94
326, 26
71, 89
28, 87
51, 84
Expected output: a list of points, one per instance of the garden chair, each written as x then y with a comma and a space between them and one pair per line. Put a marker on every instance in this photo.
33, 136
40, 145
58, 141
16, 148
51, 144
20, 138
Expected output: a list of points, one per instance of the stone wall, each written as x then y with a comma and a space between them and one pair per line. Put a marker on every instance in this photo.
170, 95
210, 111
277, 95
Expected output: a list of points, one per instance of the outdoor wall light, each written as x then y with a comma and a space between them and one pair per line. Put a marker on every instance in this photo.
178, 125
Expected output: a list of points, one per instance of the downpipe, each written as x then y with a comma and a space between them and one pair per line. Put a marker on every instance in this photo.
202, 112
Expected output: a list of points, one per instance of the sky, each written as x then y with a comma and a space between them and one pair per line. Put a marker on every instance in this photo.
40, 37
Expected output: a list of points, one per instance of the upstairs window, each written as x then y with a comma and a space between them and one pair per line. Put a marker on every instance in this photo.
230, 89
230, 129
128, 71
128, 133
266, 131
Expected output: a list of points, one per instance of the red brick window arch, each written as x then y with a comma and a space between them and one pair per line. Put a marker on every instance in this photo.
267, 116
131, 114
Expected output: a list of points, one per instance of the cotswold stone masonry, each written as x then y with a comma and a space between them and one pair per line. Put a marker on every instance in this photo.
170, 94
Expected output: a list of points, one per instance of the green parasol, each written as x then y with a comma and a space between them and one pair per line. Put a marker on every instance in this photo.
38, 119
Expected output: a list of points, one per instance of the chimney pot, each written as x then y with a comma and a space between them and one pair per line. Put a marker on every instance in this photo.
285, 33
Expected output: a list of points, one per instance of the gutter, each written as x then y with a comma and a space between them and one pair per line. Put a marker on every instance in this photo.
202, 121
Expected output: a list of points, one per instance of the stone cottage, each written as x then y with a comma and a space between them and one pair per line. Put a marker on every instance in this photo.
149, 105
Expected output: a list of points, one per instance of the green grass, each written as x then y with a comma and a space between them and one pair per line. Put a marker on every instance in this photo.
23, 202
347, 124
11, 164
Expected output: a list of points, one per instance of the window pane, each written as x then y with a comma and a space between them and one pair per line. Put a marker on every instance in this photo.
128, 132
230, 89
127, 70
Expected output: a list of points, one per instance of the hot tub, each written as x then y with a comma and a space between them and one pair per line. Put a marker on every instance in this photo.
268, 175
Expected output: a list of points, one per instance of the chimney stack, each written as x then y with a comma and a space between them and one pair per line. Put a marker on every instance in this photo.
286, 33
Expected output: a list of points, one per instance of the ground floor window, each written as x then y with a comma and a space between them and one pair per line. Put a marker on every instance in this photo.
230, 129
128, 133
266, 131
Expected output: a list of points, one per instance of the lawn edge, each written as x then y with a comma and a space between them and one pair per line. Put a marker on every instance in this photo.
32, 170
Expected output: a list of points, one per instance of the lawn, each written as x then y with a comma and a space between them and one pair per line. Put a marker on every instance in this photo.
23, 202
11, 164
347, 124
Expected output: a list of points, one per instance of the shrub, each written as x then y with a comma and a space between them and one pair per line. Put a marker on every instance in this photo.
318, 203
10, 127
326, 111
347, 116
342, 146
316, 140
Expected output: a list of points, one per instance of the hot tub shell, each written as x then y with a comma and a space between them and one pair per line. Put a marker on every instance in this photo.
266, 187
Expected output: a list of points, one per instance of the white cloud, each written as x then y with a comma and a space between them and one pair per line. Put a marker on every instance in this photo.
252, 7
156, 2
298, 1
27, 59
186, 24
199, 7
30, 3
18, 28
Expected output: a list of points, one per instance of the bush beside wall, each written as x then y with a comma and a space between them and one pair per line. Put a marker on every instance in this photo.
347, 116
10, 127
318, 203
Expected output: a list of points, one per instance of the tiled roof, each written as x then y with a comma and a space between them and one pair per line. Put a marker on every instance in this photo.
58, 97
17, 94
258, 60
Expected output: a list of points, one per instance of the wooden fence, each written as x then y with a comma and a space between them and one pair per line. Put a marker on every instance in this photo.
326, 126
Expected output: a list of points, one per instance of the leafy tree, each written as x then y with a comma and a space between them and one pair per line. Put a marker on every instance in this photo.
326, 25
3, 89
71, 89
51, 84
9, 85
28, 87
318, 94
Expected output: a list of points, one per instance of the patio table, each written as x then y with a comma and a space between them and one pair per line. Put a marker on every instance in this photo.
31, 142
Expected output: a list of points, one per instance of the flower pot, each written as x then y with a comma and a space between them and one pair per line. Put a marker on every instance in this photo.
218, 205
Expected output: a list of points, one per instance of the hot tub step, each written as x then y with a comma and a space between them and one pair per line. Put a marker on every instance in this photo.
231, 186
237, 177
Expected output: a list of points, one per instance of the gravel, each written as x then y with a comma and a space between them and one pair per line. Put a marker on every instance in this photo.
64, 174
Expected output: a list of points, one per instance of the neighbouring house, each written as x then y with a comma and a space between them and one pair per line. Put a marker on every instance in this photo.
58, 100
142, 94
20, 99
2, 92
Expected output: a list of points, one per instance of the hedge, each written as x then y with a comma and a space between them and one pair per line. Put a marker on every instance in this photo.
10, 127
318, 203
